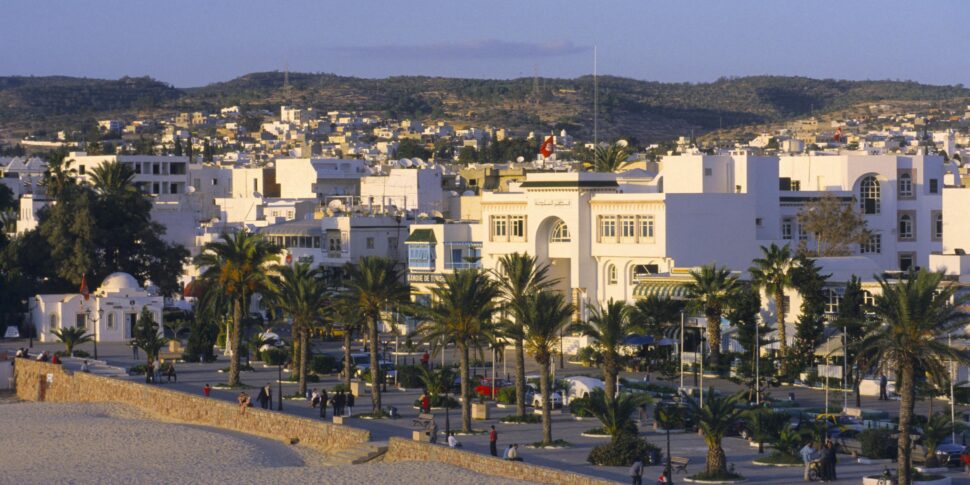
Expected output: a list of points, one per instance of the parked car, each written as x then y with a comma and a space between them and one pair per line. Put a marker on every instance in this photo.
839, 422
582, 386
555, 400
949, 454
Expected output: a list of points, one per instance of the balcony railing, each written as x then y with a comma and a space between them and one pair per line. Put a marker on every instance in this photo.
463, 265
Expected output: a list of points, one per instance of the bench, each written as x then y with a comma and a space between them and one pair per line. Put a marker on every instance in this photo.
679, 463
423, 421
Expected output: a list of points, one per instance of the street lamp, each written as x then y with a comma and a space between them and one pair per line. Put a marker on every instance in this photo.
29, 328
279, 386
681, 349
757, 363
97, 332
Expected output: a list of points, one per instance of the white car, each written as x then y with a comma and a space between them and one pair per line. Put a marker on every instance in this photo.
555, 399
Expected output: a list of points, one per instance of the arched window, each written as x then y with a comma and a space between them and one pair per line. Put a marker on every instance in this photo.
905, 226
560, 233
611, 274
905, 185
869, 195
938, 226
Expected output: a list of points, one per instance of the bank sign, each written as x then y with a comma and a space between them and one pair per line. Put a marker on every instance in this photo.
425, 277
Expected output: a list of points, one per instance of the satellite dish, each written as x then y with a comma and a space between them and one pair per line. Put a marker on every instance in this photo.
417, 161
623, 143
438, 214
214, 220
336, 204
403, 162
469, 192
423, 215
190, 189
520, 159
453, 193
270, 164
408, 163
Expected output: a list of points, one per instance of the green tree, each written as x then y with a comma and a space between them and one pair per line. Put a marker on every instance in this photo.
616, 415
409, 148
852, 318
937, 430
462, 307
375, 285
609, 326
772, 272
810, 284
301, 294
544, 317
146, 335
467, 155
835, 226
112, 179
711, 291
744, 314
917, 315
612, 158
655, 312
235, 266
520, 275
177, 151
352, 322
72, 337
715, 419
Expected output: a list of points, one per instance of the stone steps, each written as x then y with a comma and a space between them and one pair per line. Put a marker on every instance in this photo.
359, 454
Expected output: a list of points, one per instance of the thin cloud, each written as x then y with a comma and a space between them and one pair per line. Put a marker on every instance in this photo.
485, 49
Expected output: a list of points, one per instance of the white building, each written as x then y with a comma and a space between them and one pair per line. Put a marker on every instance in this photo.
154, 175
306, 178
109, 314
411, 189
334, 241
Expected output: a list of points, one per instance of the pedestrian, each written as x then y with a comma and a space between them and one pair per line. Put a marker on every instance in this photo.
134, 352
883, 384
206, 389
425, 404
243, 402
150, 373
158, 370
809, 454
323, 403
170, 375
512, 453
452, 441
269, 396
493, 441
662, 479
341, 402
350, 404
830, 453
84, 366
314, 398
262, 398
433, 432
636, 472
333, 402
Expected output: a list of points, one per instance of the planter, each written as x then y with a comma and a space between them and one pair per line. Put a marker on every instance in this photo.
874, 480
357, 388
480, 410
932, 471
780, 465
590, 435
874, 461
694, 480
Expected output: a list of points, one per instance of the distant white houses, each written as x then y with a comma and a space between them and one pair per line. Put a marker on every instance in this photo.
109, 313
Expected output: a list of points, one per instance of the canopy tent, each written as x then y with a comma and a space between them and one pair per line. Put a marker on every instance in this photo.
673, 290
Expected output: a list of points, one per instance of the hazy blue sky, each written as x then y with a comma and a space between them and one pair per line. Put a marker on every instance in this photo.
190, 43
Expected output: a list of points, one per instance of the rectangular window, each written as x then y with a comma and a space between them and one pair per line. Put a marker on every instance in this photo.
608, 228
80, 320
420, 256
646, 227
628, 227
517, 227
934, 186
499, 228
392, 243
937, 218
906, 261
873, 245
81, 169
796, 185
370, 243
834, 300
708, 172
905, 225
786, 228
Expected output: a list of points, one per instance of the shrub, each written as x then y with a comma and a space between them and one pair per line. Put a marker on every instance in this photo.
440, 401
341, 387
528, 418
294, 377
506, 395
275, 356
623, 450
578, 407
323, 364
77, 353
137, 370
877, 444
409, 376
674, 413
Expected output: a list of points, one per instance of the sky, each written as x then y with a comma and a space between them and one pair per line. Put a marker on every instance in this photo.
193, 43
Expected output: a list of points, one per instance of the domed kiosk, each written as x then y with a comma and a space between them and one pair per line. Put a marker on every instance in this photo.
109, 313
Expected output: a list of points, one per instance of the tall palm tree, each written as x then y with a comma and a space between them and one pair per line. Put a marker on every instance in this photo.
917, 314
938, 428
544, 316
715, 418
609, 325
711, 291
112, 178
235, 266
374, 285
59, 176
654, 312
520, 275
610, 158
773, 272
462, 307
72, 337
353, 321
302, 295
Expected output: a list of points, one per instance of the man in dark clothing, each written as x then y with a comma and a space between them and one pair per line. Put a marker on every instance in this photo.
493, 441
341, 402
333, 402
262, 398
269, 396
883, 383
636, 472
350, 403
323, 403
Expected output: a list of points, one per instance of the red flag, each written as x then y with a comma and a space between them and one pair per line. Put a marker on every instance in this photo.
84, 288
838, 134
547, 148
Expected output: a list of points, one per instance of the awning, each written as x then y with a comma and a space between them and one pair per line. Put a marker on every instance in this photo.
638, 340
422, 236
663, 289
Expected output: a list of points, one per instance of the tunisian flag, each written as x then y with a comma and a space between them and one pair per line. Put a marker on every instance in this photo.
547, 148
838, 134
84, 288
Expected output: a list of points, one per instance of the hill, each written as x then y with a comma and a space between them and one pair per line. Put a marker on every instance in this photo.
648, 111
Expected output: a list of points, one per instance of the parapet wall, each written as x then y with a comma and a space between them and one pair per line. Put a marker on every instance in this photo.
41, 381
400, 449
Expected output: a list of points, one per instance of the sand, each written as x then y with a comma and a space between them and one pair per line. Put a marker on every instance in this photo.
110, 443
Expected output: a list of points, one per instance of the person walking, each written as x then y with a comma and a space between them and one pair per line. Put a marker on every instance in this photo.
269, 395
150, 373
341, 402
158, 371
425, 404
206, 389
425, 359
350, 404
315, 398
809, 455
261, 397
134, 352
883, 384
170, 374
493, 441
323, 403
636, 472
830, 451
333, 402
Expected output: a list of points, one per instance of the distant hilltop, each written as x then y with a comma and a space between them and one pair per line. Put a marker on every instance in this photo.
643, 110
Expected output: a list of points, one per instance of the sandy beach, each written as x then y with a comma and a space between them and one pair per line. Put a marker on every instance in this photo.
110, 443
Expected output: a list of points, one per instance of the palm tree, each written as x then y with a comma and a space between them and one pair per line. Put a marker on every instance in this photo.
714, 420
146, 335
437, 381
938, 428
462, 307
711, 290
917, 314
374, 285
652, 313
112, 178
520, 275
610, 158
609, 325
300, 293
72, 337
773, 273
616, 415
235, 266
353, 321
543, 318
59, 175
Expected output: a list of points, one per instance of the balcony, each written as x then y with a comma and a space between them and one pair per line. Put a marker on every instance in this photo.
463, 264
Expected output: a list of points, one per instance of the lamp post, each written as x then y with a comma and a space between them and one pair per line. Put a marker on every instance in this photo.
681, 349
757, 363
702, 371
845, 367
953, 411
29, 328
279, 388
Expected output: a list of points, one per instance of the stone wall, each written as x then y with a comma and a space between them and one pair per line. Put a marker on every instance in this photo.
400, 449
32, 385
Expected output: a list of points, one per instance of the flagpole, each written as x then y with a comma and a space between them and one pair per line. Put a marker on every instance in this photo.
595, 103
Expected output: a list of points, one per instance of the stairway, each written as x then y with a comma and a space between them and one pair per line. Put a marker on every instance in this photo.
363, 453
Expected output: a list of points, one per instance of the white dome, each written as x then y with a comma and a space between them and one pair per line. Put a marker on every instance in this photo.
119, 281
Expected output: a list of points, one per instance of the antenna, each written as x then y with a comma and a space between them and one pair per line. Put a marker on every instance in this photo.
596, 111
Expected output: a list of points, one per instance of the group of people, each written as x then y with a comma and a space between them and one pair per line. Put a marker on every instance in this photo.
158, 369
823, 457
341, 402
